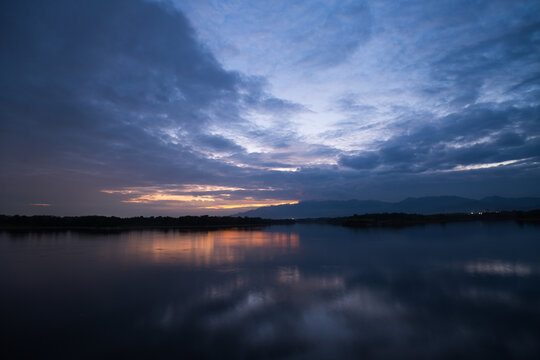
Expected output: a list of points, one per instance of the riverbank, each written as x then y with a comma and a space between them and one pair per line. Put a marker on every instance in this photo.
111, 223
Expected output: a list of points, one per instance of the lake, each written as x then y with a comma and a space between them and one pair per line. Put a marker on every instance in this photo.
304, 291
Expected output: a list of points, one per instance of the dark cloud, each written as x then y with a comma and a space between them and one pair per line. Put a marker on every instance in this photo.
483, 75
118, 90
462, 73
367, 160
478, 135
218, 143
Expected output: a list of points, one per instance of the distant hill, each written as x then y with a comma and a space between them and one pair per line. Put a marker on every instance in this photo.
421, 205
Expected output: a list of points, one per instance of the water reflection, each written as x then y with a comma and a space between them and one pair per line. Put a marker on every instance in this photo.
497, 267
208, 248
301, 292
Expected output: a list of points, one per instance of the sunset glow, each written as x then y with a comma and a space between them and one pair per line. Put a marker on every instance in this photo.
251, 205
198, 196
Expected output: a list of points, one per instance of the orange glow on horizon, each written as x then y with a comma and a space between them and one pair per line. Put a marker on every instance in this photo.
208, 188
193, 196
236, 206
167, 197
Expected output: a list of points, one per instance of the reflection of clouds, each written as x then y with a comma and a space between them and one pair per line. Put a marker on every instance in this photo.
319, 323
249, 304
225, 290
498, 267
333, 315
264, 332
290, 275
352, 299
289, 287
168, 316
483, 295
365, 302
356, 314
296, 306
310, 311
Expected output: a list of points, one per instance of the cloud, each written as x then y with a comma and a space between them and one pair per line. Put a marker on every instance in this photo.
118, 91
489, 67
472, 98
313, 34
479, 134
367, 160
335, 36
218, 143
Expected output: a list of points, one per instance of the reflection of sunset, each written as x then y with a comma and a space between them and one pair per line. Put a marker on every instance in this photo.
211, 248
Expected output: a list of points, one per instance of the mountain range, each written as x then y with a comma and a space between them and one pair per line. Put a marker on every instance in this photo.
420, 205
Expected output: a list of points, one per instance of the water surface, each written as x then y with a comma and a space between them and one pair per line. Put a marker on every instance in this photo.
468, 290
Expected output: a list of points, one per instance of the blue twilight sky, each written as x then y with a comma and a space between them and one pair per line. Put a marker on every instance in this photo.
140, 107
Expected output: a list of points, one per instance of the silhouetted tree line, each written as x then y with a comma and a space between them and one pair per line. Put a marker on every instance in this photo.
42, 221
367, 220
402, 219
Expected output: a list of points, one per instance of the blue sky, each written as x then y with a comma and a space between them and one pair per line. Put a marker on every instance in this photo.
132, 107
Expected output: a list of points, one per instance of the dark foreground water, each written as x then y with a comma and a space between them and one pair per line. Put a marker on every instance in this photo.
296, 292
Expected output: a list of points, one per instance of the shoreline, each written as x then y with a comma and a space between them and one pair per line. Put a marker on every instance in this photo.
18, 223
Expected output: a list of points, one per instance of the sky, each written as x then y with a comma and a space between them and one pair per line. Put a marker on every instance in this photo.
151, 107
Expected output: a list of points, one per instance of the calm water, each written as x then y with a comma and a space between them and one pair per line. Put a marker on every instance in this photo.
296, 292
